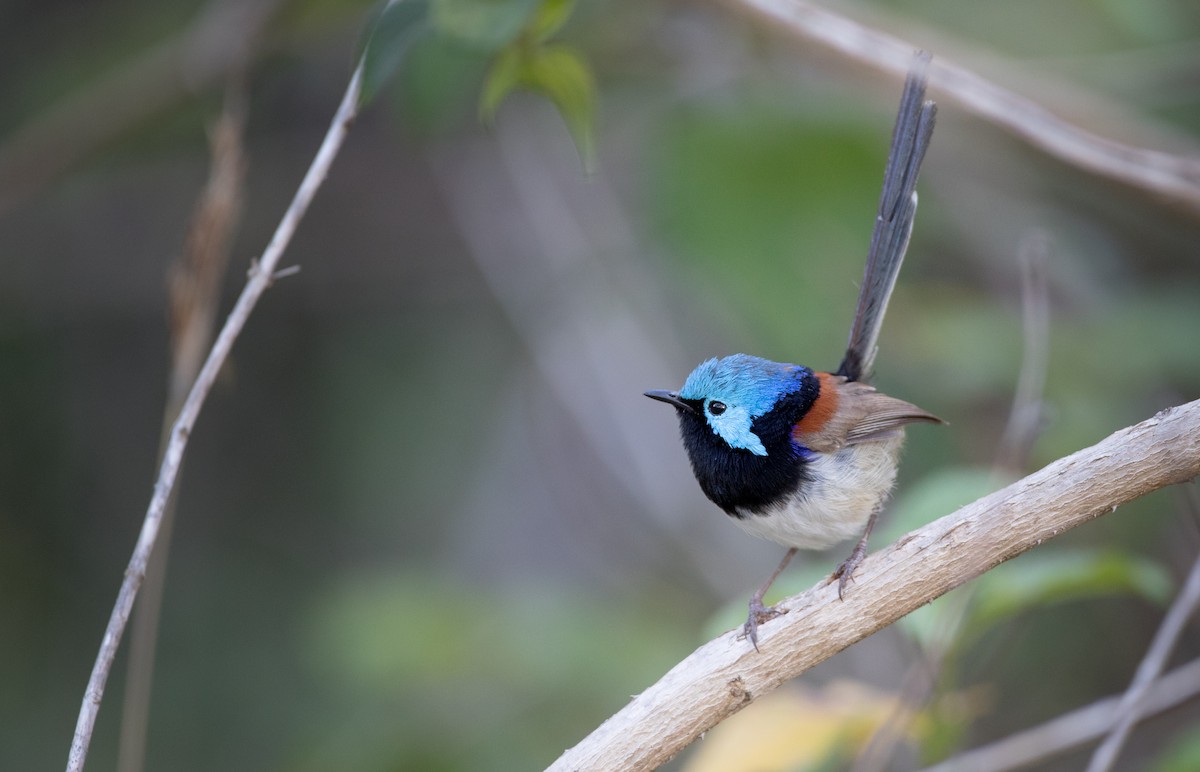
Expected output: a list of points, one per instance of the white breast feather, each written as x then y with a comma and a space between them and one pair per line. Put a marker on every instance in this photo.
845, 488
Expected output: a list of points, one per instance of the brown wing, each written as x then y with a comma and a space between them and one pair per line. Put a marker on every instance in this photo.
858, 414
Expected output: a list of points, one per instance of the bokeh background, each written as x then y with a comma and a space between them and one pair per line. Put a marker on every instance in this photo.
427, 520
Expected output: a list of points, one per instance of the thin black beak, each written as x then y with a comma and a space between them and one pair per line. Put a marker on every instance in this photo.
671, 398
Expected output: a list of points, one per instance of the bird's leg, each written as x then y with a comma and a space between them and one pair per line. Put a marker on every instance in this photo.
758, 612
845, 572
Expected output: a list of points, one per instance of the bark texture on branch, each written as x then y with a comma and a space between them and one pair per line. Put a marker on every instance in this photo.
726, 674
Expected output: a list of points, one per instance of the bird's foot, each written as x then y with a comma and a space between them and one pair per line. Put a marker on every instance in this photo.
758, 614
844, 573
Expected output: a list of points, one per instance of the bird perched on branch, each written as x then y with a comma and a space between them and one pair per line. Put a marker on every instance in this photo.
801, 457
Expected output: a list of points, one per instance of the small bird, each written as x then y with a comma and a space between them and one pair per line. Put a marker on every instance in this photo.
801, 457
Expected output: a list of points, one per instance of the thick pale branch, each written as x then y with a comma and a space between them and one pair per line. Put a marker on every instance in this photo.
726, 674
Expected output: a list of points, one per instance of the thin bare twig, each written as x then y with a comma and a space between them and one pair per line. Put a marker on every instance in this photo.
1148, 671
194, 292
726, 674
1162, 174
1075, 728
260, 277
1024, 417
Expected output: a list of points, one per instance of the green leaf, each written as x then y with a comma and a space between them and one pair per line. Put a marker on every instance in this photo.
485, 24
550, 17
558, 73
1045, 578
502, 79
392, 33
561, 75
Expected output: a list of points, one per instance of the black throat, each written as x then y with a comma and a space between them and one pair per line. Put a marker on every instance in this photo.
737, 480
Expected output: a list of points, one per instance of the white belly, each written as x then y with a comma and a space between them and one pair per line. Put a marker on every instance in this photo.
844, 489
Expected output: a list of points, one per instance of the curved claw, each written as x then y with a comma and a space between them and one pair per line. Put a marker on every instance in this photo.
845, 572
758, 614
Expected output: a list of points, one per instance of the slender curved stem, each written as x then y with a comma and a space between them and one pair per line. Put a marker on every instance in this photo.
262, 273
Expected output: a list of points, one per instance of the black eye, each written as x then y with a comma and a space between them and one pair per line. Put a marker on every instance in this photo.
716, 408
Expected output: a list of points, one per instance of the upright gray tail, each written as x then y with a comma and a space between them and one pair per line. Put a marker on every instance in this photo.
894, 223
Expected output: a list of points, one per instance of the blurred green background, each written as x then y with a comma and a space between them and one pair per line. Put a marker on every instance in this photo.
427, 520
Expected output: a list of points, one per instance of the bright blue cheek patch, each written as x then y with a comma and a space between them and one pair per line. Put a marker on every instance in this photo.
749, 386
733, 426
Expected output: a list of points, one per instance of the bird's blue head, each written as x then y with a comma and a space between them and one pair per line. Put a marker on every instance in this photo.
732, 393
736, 417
